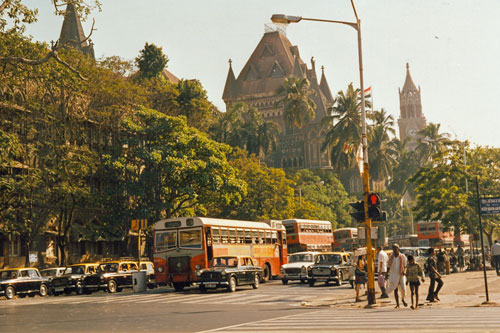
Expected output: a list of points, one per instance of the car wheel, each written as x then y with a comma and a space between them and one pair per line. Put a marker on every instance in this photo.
22, 295
112, 287
10, 292
303, 281
285, 282
203, 289
232, 285
67, 291
119, 289
79, 288
256, 281
311, 283
179, 286
341, 277
44, 291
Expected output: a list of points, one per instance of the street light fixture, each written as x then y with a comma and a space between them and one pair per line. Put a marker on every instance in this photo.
286, 19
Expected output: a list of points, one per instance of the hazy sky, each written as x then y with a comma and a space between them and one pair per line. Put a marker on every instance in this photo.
452, 47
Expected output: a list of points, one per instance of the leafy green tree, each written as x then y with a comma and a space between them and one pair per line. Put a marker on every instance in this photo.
431, 142
151, 61
382, 153
298, 105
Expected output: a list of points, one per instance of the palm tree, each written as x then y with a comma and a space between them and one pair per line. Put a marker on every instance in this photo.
431, 142
297, 101
382, 152
344, 128
382, 118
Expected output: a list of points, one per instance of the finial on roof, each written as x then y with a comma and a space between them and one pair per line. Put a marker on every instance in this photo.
407, 66
312, 60
230, 62
322, 69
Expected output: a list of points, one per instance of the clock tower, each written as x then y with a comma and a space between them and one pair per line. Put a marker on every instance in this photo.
411, 119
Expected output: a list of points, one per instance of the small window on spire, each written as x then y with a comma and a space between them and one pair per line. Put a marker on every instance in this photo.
277, 71
268, 51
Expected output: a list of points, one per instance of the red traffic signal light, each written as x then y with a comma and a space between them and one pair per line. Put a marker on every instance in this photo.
373, 199
374, 206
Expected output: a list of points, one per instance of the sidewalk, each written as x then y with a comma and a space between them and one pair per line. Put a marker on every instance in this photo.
464, 289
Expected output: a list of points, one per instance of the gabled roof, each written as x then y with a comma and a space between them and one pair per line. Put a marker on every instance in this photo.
169, 76
325, 88
72, 32
409, 85
230, 88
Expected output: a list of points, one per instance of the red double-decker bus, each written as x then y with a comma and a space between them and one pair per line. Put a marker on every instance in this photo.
345, 239
308, 235
432, 233
184, 245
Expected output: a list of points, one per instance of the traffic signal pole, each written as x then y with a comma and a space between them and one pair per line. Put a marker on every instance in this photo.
366, 174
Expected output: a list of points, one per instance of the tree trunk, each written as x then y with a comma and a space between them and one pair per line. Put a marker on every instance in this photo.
27, 247
61, 254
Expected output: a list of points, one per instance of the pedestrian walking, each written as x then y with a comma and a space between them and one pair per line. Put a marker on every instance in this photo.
382, 259
440, 261
360, 273
413, 272
397, 280
460, 258
434, 275
495, 256
446, 262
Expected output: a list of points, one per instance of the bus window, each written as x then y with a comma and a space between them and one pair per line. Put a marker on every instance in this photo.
274, 237
248, 236
268, 237
166, 240
216, 235
190, 238
240, 236
224, 236
259, 237
232, 236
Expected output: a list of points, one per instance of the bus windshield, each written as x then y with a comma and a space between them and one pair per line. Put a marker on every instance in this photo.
300, 258
190, 238
224, 262
166, 240
328, 259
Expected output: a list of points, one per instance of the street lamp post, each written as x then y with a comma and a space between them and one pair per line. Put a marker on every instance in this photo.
286, 19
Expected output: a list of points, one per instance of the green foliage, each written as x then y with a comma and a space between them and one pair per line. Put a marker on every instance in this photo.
151, 61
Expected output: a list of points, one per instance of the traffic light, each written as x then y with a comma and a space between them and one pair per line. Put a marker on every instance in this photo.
374, 206
374, 211
359, 207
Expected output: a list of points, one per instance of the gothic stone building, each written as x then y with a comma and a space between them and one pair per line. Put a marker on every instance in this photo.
273, 60
411, 119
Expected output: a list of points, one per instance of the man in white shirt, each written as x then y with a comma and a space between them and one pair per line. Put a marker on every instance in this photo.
397, 279
382, 259
495, 256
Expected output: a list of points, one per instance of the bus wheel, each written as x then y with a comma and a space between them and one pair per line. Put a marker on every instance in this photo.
178, 286
267, 273
232, 285
285, 282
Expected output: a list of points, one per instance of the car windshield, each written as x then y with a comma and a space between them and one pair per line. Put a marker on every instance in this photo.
109, 268
328, 259
408, 252
225, 262
48, 272
8, 274
300, 258
75, 270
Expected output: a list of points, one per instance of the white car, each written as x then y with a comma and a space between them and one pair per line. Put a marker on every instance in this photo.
297, 267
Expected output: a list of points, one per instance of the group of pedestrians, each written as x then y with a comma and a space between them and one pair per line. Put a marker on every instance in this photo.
395, 271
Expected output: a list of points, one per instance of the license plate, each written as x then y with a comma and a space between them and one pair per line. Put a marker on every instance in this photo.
59, 289
211, 285
322, 278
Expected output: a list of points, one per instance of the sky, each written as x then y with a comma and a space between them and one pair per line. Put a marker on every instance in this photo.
452, 47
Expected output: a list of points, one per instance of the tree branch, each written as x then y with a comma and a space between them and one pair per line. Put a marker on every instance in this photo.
4, 5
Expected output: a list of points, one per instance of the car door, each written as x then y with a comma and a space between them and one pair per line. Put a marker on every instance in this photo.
121, 276
23, 282
251, 270
35, 279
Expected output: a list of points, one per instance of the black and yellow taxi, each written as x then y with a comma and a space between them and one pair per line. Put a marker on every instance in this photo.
22, 282
72, 279
329, 267
111, 276
229, 272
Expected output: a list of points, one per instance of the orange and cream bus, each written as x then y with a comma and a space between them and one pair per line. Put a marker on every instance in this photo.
346, 239
308, 235
184, 245
434, 234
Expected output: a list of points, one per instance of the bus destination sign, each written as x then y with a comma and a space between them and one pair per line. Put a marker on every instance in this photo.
490, 206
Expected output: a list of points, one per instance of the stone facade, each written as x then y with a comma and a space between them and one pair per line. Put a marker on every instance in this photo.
411, 119
273, 60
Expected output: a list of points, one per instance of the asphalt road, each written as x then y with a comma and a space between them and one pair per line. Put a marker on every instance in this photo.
159, 310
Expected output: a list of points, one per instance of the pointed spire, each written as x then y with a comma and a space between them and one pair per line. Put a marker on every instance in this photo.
409, 85
325, 88
230, 87
297, 69
72, 32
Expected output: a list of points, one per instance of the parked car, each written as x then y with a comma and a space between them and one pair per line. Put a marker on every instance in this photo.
328, 267
149, 268
72, 279
22, 282
52, 272
229, 272
111, 276
296, 268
